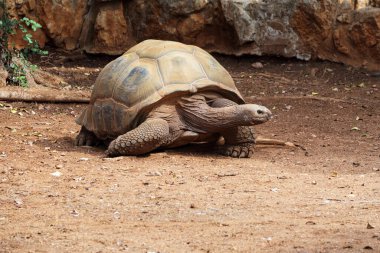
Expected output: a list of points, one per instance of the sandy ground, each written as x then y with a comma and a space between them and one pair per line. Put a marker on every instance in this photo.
323, 197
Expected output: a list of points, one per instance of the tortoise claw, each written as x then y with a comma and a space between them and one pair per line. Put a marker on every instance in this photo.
86, 138
237, 151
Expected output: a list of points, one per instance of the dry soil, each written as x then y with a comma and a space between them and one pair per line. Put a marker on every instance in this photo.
323, 196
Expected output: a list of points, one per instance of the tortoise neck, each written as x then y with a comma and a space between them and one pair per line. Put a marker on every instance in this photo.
200, 117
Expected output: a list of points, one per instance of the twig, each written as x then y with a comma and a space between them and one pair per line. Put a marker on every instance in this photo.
273, 142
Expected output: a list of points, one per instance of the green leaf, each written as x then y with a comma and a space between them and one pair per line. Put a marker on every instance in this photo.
28, 38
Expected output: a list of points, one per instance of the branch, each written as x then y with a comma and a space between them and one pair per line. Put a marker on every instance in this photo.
326, 99
43, 95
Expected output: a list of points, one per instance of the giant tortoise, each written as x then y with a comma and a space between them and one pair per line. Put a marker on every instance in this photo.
164, 94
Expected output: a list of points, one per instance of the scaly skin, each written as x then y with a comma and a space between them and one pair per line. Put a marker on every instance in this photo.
239, 141
148, 136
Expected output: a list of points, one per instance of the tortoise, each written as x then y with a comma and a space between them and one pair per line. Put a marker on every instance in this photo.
165, 94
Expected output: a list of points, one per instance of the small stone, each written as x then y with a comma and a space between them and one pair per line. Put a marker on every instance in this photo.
56, 174
376, 169
257, 65
361, 85
83, 159
116, 215
369, 226
59, 166
74, 213
18, 202
313, 182
274, 189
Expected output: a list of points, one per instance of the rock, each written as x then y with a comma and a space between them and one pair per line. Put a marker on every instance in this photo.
263, 27
59, 166
62, 20
336, 30
257, 65
106, 30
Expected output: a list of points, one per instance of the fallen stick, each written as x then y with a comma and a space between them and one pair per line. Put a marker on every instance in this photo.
326, 99
43, 95
273, 142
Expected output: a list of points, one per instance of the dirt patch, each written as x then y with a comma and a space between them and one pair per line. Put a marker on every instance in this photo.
55, 197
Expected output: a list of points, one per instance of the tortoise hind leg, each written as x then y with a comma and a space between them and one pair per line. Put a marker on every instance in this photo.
86, 138
239, 141
143, 139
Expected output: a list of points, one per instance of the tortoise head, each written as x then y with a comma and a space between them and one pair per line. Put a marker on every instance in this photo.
254, 114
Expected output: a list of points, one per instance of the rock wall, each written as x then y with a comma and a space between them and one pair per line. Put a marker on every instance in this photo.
338, 30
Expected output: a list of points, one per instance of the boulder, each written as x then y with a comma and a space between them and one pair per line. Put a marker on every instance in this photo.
337, 30
106, 30
62, 20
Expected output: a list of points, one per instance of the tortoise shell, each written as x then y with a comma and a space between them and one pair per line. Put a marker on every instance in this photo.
145, 75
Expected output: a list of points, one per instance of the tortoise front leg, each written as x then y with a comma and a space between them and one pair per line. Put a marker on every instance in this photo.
143, 139
239, 141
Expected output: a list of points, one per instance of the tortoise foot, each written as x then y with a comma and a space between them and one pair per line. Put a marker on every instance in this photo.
86, 138
237, 151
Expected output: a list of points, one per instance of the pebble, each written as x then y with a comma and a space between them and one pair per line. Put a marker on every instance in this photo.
116, 215
56, 174
59, 166
74, 213
257, 65
18, 202
274, 189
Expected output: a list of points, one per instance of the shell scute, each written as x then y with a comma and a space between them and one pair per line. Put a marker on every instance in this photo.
138, 82
179, 68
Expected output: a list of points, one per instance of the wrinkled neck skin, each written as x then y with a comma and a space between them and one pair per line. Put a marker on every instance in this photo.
200, 117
